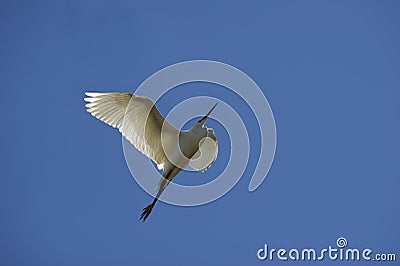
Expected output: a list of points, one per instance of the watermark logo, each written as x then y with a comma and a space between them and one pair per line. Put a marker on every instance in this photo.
341, 242
340, 252
228, 77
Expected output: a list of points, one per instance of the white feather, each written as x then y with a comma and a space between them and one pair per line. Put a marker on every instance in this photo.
142, 124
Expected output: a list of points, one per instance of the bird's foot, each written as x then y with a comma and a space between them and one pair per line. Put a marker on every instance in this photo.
146, 212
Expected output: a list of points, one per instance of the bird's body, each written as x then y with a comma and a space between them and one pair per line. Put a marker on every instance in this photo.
139, 121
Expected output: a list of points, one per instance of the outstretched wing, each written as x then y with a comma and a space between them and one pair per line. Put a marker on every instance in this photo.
207, 153
137, 118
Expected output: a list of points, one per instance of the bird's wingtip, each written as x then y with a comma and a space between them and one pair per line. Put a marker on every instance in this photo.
91, 94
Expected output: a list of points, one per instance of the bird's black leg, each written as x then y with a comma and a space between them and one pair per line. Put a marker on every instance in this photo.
147, 210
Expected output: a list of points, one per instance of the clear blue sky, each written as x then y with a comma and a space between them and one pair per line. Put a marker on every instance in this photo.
330, 71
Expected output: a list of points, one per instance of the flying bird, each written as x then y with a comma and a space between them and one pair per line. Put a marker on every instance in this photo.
139, 121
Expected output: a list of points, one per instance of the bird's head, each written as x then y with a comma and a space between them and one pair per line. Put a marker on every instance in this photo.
203, 120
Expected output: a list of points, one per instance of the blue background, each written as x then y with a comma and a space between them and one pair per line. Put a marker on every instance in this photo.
330, 70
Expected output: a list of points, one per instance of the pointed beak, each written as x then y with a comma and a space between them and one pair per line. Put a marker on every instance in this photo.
204, 119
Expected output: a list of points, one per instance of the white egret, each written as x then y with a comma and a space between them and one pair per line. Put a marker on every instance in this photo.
139, 121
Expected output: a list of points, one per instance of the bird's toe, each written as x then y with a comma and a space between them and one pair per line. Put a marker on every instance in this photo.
146, 212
